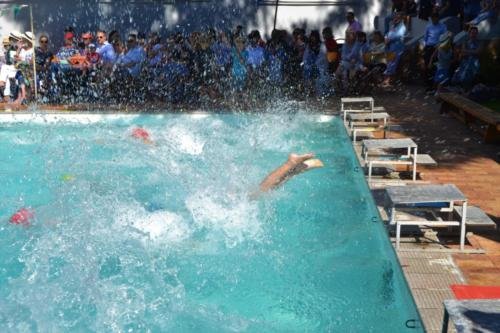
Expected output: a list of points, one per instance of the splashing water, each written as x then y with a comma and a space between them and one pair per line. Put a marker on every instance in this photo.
130, 237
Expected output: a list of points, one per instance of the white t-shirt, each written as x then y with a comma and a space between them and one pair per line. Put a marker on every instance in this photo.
26, 55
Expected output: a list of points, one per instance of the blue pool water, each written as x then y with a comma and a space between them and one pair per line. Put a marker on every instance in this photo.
129, 237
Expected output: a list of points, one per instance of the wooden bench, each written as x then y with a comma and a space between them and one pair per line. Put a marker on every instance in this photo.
469, 111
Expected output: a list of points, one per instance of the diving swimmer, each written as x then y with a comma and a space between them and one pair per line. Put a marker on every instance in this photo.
295, 165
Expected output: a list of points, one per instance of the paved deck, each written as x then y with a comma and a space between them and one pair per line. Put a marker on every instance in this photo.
464, 160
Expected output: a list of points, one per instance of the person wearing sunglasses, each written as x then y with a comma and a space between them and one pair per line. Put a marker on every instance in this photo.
131, 63
43, 60
105, 49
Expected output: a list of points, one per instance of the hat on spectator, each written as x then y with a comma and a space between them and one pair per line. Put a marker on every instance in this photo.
16, 35
92, 46
28, 35
69, 35
87, 35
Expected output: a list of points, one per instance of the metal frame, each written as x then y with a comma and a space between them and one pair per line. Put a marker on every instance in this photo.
451, 202
412, 158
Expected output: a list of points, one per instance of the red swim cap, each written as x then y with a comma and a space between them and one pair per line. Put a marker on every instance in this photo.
22, 216
140, 133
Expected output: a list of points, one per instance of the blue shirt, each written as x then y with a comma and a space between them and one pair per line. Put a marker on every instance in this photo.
348, 52
396, 36
135, 56
239, 69
359, 49
107, 53
157, 48
255, 56
433, 32
222, 54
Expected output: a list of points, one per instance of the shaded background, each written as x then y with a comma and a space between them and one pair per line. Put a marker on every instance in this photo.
166, 16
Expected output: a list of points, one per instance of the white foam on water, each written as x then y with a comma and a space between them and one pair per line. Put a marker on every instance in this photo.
235, 216
183, 141
159, 227
325, 119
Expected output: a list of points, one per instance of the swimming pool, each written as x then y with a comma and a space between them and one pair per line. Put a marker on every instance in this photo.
130, 237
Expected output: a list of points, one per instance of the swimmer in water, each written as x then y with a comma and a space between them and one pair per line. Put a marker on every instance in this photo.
295, 165
142, 134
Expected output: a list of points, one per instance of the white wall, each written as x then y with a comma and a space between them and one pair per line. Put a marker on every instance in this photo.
52, 16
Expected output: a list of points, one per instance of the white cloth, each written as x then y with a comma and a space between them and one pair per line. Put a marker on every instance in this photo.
7, 72
26, 55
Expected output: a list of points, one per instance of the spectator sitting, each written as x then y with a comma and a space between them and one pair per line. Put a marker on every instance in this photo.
93, 58
352, 24
4, 50
239, 61
296, 58
255, 61
348, 60
105, 49
433, 32
17, 89
394, 41
15, 44
67, 51
43, 54
361, 48
25, 53
376, 54
131, 62
255, 51
8, 70
86, 41
444, 56
221, 50
332, 49
154, 50
276, 57
469, 60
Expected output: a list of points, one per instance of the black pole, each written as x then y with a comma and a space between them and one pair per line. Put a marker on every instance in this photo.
276, 14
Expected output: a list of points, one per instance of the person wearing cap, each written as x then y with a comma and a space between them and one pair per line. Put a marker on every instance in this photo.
15, 44
8, 70
67, 51
433, 32
25, 53
3, 50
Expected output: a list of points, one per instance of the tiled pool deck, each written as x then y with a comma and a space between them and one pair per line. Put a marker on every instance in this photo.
462, 160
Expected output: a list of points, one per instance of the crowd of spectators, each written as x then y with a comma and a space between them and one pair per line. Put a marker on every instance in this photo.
203, 66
